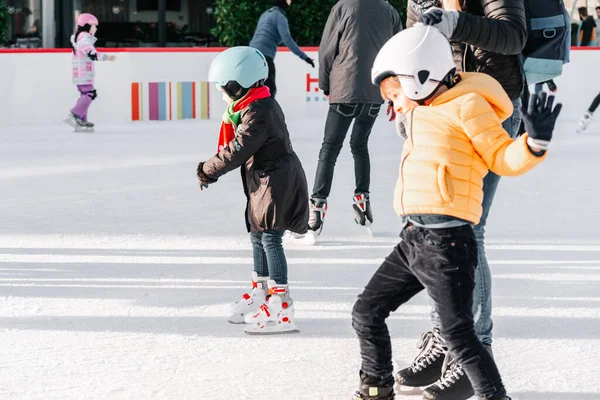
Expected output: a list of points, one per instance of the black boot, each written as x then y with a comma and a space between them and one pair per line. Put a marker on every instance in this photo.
372, 388
426, 368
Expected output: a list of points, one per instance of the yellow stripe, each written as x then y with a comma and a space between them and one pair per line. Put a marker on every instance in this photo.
204, 100
179, 101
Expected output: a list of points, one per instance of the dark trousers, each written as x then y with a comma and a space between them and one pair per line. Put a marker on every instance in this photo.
338, 122
270, 82
595, 104
443, 262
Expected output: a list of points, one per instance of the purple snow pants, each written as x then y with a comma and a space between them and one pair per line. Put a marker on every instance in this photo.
83, 104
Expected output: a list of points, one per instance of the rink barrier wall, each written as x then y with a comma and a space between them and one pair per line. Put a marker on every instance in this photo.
168, 84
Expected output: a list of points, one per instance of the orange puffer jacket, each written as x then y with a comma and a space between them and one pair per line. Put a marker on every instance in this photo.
451, 146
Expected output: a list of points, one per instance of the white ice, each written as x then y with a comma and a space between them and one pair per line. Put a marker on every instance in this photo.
116, 271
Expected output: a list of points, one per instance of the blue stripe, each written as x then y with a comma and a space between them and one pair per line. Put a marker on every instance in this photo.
162, 101
557, 21
186, 100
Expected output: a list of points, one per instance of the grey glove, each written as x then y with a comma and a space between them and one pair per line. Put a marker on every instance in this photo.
443, 20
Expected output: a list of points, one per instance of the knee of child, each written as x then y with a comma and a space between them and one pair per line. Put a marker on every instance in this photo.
367, 314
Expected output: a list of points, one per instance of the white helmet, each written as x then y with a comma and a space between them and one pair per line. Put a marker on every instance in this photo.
422, 59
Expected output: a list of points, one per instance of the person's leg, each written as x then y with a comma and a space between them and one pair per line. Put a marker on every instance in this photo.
85, 100
258, 253
445, 264
392, 285
275, 256
339, 118
270, 82
595, 104
359, 145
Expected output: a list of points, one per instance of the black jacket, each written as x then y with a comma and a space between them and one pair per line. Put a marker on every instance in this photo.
355, 32
273, 178
488, 38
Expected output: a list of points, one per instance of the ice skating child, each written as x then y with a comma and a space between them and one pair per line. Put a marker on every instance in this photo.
254, 136
84, 56
587, 117
454, 137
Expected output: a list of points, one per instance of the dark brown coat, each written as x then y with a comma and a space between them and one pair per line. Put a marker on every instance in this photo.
273, 178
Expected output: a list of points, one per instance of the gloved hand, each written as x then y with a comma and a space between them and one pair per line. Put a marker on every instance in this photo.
443, 20
539, 120
390, 111
310, 61
203, 179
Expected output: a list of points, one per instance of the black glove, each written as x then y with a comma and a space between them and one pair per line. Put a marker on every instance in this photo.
203, 179
432, 17
310, 61
539, 119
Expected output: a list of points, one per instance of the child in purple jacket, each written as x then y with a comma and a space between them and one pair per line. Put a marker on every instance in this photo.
84, 56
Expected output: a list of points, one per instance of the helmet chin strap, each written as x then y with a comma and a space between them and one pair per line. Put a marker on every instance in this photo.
450, 80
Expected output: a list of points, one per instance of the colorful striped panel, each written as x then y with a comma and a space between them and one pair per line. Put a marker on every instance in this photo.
188, 102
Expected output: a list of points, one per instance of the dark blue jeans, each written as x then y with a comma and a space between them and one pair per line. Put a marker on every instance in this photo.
482, 294
338, 122
269, 257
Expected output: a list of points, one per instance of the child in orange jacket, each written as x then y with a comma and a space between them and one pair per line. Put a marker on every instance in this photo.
454, 137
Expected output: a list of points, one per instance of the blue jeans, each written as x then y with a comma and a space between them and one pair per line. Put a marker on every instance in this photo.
269, 258
482, 294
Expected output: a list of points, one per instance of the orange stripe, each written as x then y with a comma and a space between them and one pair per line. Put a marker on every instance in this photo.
194, 100
170, 103
135, 101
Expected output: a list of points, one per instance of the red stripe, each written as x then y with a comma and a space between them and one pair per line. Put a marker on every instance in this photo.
170, 103
135, 101
149, 50
193, 100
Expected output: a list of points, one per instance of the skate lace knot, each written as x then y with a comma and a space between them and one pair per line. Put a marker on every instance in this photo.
451, 375
432, 348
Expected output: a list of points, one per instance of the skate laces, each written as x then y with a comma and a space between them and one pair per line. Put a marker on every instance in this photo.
360, 200
432, 347
451, 375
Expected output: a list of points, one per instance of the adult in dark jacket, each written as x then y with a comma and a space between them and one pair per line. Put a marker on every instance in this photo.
254, 136
587, 29
487, 37
273, 29
353, 35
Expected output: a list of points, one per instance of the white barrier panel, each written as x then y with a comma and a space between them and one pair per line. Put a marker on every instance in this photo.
169, 85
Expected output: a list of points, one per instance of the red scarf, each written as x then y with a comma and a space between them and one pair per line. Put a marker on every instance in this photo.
232, 114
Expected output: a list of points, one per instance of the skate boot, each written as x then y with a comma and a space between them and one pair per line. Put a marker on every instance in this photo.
374, 389
249, 303
275, 316
426, 368
89, 124
584, 122
318, 209
78, 124
362, 211
453, 385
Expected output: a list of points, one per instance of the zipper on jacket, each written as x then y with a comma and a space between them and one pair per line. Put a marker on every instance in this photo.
404, 159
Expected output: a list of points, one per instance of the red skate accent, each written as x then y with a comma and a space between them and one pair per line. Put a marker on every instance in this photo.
285, 319
265, 310
277, 290
254, 284
284, 305
246, 296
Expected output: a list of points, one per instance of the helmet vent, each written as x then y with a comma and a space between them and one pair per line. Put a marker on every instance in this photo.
423, 76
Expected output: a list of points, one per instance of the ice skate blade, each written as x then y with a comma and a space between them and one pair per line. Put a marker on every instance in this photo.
236, 320
272, 328
71, 122
84, 130
402, 390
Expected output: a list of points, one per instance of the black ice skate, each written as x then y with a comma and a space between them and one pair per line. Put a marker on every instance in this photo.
362, 211
426, 368
318, 209
453, 385
374, 389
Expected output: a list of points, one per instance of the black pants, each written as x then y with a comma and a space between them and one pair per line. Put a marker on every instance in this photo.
595, 104
270, 82
442, 261
338, 122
